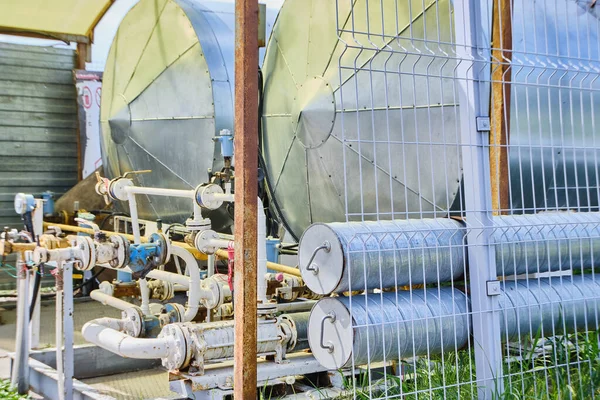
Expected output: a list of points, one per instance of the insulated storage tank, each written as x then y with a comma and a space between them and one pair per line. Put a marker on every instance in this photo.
168, 90
360, 110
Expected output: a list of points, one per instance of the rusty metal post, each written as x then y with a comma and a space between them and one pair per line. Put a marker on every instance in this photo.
500, 104
246, 195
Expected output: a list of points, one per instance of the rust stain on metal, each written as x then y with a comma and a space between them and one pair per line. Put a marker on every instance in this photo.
246, 195
500, 104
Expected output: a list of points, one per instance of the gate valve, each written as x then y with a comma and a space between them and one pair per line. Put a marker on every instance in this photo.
145, 257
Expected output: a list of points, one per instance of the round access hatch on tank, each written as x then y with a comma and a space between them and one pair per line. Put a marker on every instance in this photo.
167, 91
337, 143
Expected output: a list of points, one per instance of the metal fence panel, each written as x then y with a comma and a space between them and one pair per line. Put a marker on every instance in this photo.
471, 126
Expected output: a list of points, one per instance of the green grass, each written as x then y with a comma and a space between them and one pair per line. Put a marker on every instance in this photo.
8, 393
563, 368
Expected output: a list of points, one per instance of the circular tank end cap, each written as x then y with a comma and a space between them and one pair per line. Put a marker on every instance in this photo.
326, 269
313, 112
330, 333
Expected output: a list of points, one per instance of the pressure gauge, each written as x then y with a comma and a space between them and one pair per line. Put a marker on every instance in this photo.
24, 203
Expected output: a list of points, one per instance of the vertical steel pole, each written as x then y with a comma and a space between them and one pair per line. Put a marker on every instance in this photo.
67, 320
246, 193
60, 367
473, 35
20, 371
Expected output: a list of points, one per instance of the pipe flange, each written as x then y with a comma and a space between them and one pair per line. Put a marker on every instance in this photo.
203, 239
214, 286
40, 255
121, 246
163, 255
117, 188
179, 353
266, 308
134, 317
87, 250
195, 226
288, 327
205, 196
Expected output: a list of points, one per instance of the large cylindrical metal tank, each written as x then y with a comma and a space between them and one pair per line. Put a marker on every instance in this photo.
360, 114
168, 90
391, 326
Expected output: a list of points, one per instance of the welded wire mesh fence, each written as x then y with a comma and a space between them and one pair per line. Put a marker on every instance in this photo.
471, 126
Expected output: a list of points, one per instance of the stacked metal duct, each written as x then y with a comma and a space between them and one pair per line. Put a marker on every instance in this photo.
370, 328
339, 257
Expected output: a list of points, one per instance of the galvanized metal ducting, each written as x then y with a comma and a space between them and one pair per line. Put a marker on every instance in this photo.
391, 326
549, 307
339, 257
387, 326
300, 322
360, 111
549, 241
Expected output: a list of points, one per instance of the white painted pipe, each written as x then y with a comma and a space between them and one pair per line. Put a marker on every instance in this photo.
122, 344
210, 265
197, 211
181, 280
145, 296
135, 223
261, 284
194, 293
153, 191
227, 197
221, 243
180, 288
189, 194
305, 305
109, 300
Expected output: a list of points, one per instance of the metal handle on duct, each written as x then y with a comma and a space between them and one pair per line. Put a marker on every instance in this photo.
315, 269
328, 346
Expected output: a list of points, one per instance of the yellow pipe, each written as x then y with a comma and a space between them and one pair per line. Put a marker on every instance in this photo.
71, 228
271, 265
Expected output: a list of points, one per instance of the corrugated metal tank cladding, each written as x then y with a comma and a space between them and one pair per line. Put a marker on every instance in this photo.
168, 90
369, 130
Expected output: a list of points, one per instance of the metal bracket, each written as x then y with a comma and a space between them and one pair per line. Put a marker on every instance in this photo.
329, 345
313, 267
493, 288
483, 124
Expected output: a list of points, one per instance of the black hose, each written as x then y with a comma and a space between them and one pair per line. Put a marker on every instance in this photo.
77, 287
90, 280
37, 282
262, 163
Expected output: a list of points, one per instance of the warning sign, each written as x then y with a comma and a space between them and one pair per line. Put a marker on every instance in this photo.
98, 96
89, 87
87, 97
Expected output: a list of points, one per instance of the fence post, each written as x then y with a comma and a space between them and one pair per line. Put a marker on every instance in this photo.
473, 34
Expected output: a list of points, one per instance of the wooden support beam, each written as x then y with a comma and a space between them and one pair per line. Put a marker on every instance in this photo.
246, 195
500, 104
